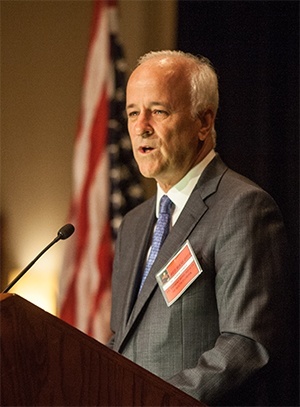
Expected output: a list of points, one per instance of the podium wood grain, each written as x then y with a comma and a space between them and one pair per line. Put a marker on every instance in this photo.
46, 362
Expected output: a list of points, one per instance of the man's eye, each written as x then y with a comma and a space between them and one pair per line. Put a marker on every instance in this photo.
160, 112
132, 114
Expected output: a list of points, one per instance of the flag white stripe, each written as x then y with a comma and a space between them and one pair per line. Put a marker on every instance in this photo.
89, 274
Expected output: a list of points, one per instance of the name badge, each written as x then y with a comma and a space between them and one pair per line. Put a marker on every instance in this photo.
178, 274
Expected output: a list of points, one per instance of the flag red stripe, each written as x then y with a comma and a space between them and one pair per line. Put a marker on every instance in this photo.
105, 257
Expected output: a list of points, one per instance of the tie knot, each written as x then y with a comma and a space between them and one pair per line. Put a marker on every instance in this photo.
165, 204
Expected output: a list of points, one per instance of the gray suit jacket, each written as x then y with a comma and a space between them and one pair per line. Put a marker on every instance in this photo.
218, 339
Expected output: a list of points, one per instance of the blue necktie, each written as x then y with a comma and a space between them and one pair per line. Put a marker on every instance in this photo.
160, 233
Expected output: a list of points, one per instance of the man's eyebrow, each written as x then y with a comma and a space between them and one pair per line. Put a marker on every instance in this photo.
133, 105
130, 106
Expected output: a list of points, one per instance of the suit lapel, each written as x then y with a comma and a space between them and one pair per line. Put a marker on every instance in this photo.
192, 213
138, 257
177, 236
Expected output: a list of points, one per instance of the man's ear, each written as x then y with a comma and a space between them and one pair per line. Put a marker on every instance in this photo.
207, 119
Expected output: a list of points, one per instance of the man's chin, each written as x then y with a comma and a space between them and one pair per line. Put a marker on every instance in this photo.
148, 172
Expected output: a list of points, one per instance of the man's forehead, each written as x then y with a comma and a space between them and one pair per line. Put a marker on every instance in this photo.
153, 75
167, 66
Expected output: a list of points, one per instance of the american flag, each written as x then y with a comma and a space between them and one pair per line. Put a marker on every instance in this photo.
106, 181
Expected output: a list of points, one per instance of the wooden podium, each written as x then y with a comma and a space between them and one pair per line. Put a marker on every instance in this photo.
46, 362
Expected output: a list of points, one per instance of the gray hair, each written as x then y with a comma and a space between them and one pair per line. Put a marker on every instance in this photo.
203, 79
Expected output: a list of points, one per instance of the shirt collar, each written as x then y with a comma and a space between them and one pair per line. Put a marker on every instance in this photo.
180, 193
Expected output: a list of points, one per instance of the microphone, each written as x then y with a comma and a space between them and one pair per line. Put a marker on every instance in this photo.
63, 233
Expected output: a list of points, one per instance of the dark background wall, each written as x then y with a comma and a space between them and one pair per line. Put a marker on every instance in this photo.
254, 46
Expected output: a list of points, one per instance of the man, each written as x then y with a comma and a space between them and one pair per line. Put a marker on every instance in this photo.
219, 334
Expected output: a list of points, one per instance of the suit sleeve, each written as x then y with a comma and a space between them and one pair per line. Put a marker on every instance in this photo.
248, 259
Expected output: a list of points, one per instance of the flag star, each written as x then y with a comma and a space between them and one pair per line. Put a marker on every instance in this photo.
116, 222
121, 65
115, 173
120, 95
117, 199
135, 191
114, 124
113, 149
125, 143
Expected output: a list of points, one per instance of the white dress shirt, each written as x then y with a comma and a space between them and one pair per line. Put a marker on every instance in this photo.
180, 193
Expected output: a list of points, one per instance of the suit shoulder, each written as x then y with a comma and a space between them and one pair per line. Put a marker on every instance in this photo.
240, 181
220, 180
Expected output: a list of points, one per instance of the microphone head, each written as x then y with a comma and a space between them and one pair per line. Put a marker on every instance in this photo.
66, 231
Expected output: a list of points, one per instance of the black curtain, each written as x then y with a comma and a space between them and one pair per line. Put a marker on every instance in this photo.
254, 46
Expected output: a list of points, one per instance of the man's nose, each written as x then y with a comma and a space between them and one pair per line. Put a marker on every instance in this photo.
142, 126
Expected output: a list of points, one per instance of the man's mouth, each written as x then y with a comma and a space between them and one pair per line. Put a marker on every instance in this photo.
145, 149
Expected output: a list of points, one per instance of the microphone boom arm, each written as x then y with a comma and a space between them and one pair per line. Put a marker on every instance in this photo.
65, 232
